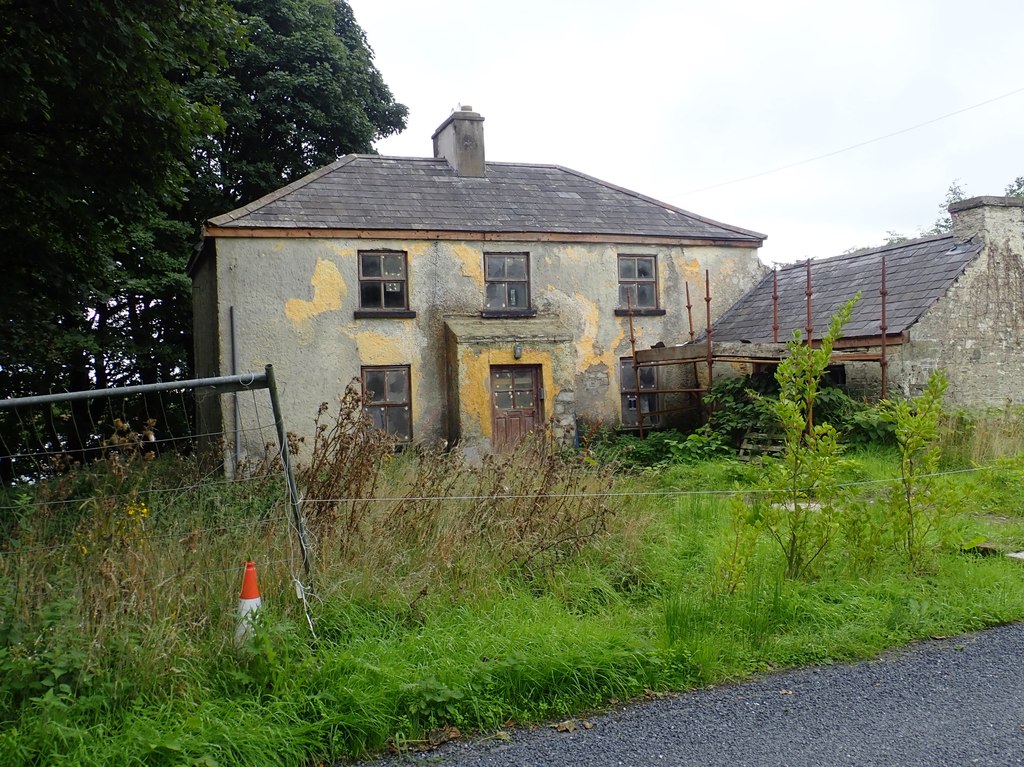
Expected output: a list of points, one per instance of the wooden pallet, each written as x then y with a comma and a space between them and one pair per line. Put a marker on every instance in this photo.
757, 445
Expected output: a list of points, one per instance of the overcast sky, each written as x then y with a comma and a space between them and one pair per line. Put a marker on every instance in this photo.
677, 99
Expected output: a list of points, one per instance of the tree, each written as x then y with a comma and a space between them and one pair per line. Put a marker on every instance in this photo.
95, 131
944, 223
124, 126
300, 94
299, 91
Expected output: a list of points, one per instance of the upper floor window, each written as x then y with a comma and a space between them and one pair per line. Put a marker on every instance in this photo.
387, 399
383, 283
638, 284
507, 284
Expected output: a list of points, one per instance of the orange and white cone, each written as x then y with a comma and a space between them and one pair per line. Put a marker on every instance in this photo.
248, 603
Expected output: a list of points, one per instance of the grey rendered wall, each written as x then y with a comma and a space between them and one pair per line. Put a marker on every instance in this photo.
294, 300
976, 331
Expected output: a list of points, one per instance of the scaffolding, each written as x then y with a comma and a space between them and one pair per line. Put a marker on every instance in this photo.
702, 352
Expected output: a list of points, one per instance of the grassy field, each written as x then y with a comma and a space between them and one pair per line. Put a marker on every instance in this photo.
529, 588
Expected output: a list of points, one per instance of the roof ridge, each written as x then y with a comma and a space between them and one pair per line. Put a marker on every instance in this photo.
671, 218
668, 206
868, 251
633, 193
277, 194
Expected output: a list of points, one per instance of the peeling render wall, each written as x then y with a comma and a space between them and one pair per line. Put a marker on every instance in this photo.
976, 331
294, 300
473, 346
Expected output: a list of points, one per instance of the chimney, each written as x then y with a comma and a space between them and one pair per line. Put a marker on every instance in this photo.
460, 140
997, 220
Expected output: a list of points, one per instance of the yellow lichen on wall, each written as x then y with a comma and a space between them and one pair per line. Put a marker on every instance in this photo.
692, 273
396, 347
475, 383
589, 350
328, 291
392, 348
415, 248
472, 261
577, 254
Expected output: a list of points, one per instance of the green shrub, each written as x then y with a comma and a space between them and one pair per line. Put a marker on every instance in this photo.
738, 405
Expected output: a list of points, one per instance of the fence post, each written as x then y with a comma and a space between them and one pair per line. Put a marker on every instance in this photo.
293, 491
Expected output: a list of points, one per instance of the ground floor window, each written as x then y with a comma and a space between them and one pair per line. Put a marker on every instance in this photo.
387, 399
637, 402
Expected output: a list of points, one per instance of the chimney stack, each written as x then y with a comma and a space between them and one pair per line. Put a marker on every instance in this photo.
460, 140
995, 219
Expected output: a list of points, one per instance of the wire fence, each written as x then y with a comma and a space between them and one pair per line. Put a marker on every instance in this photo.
182, 483
156, 475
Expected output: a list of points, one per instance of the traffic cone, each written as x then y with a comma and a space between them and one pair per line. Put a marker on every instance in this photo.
248, 603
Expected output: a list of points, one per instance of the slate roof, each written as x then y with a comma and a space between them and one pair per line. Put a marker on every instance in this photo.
918, 273
395, 193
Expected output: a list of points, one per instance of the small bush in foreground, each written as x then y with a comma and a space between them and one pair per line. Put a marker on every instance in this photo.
917, 510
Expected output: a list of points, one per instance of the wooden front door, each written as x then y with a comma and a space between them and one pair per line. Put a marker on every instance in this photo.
515, 403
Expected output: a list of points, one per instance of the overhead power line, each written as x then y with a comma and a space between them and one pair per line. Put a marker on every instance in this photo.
854, 146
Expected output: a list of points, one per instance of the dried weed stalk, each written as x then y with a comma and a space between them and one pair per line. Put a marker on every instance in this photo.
344, 471
425, 515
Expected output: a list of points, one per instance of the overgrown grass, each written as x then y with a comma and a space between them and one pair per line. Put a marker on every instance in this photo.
432, 610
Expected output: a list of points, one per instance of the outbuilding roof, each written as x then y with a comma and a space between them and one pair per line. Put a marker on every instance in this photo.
918, 273
370, 192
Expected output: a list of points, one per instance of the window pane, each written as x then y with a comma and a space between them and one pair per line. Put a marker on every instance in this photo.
648, 378
394, 265
631, 402
376, 416
627, 269
645, 294
649, 403
517, 295
503, 400
398, 386
627, 295
394, 295
524, 379
495, 296
370, 264
399, 422
645, 268
495, 267
626, 380
515, 267
370, 295
524, 398
375, 386
503, 381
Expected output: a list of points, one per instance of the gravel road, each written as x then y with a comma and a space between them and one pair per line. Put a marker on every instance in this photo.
955, 701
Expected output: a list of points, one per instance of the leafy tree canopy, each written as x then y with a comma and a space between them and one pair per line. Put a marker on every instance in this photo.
96, 129
123, 126
302, 92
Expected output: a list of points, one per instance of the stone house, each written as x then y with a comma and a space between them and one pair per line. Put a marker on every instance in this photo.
953, 302
472, 301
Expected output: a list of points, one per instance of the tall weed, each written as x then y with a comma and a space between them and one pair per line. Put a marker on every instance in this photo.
799, 512
918, 510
